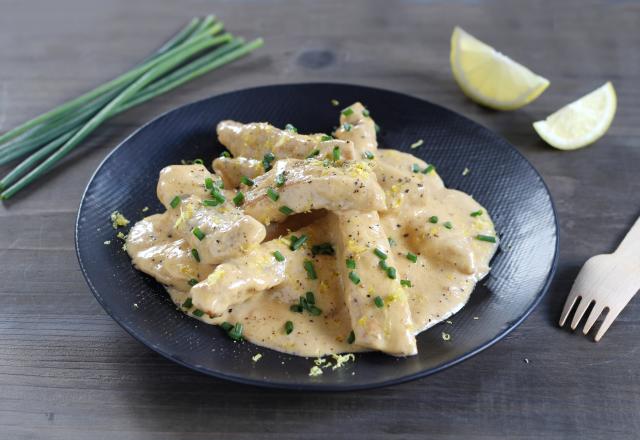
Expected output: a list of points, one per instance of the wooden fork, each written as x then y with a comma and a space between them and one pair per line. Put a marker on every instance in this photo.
608, 282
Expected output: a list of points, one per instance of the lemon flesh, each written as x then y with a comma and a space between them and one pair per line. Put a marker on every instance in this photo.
582, 122
489, 77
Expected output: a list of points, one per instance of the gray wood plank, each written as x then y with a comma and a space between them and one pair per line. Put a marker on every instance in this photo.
68, 372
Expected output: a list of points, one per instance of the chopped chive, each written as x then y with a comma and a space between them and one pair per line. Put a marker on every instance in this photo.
380, 253
297, 242
273, 194
198, 233
335, 102
195, 254
315, 311
238, 199
280, 179
326, 137
383, 265
417, 144
351, 338
412, 257
217, 196
428, 169
355, 279
322, 249
285, 210
310, 297
351, 263
477, 213
198, 161
288, 327
448, 225
433, 219
347, 111
267, 160
220, 184
347, 127
336, 153
392, 242
278, 256
225, 153
187, 304
391, 272
365, 113
415, 168
303, 303
193, 282
226, 326
313, 153
197, 312
368, 155
291, 128
487, 238
378, 302
210, 202
405, 283
236, 332
377, 127
208, 183
175, 201
311, 271
296, 308
246, 181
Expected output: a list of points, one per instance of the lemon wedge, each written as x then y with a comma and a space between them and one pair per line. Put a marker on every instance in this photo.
489, 77
582, 122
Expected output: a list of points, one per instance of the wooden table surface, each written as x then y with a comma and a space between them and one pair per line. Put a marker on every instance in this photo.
67, 371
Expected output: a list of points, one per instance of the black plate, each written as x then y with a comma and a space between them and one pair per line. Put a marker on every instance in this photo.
500, 178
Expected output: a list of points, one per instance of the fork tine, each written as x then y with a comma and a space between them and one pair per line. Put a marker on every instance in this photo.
568, 305
608, 320
582, 307
593, 317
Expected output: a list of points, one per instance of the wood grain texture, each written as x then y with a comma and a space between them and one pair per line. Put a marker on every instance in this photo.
68, 372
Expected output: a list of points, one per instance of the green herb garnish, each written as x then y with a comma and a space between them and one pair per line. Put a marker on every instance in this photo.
238, 199
208, 183
412, 257
336, 153
195, 254
313, 153
187, 304
246, 181
296, 242
278, 256
428, 169
280, 179
477, 213
405, 283
347, 111
391, 272
487, 238
288, 327
351, 263
351, 338
380, 253
311, 271
347, 127
291, 128
285, 210
197, 312
355, 279
175, 201
198, 233
378, 302
236, 332
448, 225
322, 249
368, 155
273, 194
193, 282
433, 219
326, 137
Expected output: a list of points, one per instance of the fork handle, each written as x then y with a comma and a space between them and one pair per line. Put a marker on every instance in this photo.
631, 242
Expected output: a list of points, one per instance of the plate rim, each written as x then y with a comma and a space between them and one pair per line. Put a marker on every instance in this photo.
315, 386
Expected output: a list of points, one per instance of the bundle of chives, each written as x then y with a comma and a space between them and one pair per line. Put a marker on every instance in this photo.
198, 48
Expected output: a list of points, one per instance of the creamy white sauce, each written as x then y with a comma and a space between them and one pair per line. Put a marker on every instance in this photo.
450, 261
